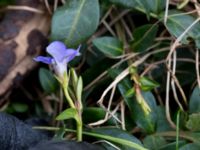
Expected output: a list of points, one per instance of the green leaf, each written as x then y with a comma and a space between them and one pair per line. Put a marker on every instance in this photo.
74, 77
178, 22
156, 6
79, 89
48, 81
161, 123
193, 123
147, 84
191, 146
93, 114
154, 142
172, 146
146, 122
144, 37
19, 107
117, 133
110, 46
68, 114
74, 22
125, 3
194, 103
145, 6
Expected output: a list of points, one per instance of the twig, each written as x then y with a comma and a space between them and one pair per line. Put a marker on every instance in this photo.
172, 82
166, 11
47, 6
197, 67
27, 8
167, 97
124, 73
123, 115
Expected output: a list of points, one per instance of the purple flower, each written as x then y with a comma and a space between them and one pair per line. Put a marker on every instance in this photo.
61, 56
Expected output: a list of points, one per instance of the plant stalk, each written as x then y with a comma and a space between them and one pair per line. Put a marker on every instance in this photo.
69, 100
79, 130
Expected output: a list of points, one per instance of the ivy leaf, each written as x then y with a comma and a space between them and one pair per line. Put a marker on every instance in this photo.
74, 22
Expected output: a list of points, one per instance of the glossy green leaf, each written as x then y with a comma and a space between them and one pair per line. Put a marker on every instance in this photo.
178, 22
74, 22
110, 46
146, 6
156, 6
94, 114
194, 103
117, 133
172, 146
146, 122
154, 142
144, 37
48, 81
120, 141
191, 146
147, 84
193, 122
68, 114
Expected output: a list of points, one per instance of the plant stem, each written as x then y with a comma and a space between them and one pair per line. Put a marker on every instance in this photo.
70, 101
79, 130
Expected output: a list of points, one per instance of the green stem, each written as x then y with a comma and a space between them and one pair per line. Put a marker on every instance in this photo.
79, 130
70, 101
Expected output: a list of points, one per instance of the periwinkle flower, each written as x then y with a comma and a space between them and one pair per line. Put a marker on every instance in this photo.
61, 56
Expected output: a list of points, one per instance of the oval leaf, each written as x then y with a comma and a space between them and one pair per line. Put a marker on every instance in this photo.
194, 103
75, 21
154, 142
48, 81
147, 84
178, 22
94, 114
191, 146
144, 37
117, 133
110, 46
68, 114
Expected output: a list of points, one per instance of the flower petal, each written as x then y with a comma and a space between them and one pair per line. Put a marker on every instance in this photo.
57, 50
46, 60
72, 54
